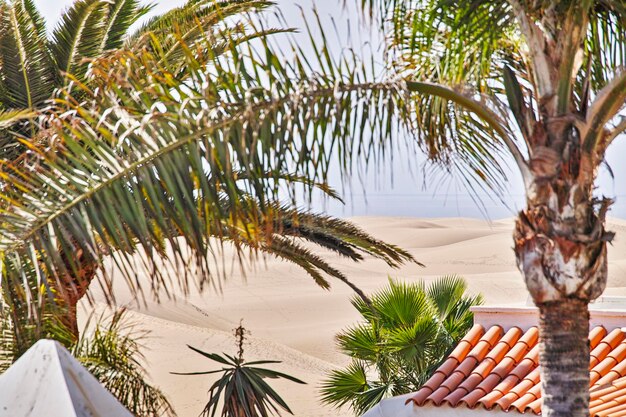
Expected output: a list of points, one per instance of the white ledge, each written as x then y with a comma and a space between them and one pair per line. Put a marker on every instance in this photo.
609, 312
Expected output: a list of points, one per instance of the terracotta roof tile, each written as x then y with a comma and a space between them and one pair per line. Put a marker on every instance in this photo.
469, 341
531, 395
471, 399
596, 335
454, 398
523, 402
534, 407
438, 396
616, 412
494, 369
607, 344
618, 371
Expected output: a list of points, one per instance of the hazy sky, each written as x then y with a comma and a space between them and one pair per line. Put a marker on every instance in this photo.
401, 189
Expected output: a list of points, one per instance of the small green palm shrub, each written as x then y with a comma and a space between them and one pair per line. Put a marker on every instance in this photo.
406, 332
242, 388
111, 351
109, 347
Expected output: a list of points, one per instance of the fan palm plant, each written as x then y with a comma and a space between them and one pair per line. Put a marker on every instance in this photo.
405, 334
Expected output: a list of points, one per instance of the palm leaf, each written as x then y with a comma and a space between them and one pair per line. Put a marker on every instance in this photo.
170, 153
12, 117
28, 73
343, 385
79, 34
360, 342
111, 352
401, 304
197, 25
120, 16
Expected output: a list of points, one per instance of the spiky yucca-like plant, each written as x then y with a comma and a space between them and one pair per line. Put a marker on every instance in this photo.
241, 389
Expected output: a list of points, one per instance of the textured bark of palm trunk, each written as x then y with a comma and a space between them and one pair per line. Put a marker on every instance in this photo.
70, 290
75, 289
68, 316
561, 249
564, 358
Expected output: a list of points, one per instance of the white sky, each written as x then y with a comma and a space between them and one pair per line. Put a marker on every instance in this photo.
400, 189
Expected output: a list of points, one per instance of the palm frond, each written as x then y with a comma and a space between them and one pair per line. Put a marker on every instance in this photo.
10, 118
120, 16
7, 339
28, 73
345, 384
199, 26
449, 295
415, 343
195, 16
170, 151
606, 42
401, 303
360, 342
79, 35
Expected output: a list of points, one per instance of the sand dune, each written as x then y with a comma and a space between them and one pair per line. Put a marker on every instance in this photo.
293, 320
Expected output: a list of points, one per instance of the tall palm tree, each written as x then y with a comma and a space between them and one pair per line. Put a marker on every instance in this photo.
541, 80
548, 77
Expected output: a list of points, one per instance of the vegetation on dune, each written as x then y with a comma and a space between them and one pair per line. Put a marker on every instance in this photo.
241, 389
406, 333
111, 351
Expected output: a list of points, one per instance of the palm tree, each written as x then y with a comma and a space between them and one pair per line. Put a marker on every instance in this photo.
33, 65
548, 77
541, 80
403, 337
235, 199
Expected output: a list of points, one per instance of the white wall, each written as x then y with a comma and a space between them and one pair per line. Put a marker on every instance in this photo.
395, 407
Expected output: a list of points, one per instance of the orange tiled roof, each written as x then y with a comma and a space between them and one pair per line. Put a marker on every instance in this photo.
496, 369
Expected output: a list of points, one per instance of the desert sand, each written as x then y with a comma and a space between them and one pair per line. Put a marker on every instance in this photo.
294, 321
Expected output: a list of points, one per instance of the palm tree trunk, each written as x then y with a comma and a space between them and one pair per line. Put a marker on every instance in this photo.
73, 289
561, 249
564, 358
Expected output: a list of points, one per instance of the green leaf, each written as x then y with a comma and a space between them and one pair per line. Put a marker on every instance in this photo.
79, 35
27, 73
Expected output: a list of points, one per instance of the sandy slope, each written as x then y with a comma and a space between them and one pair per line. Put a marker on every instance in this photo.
293, 320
